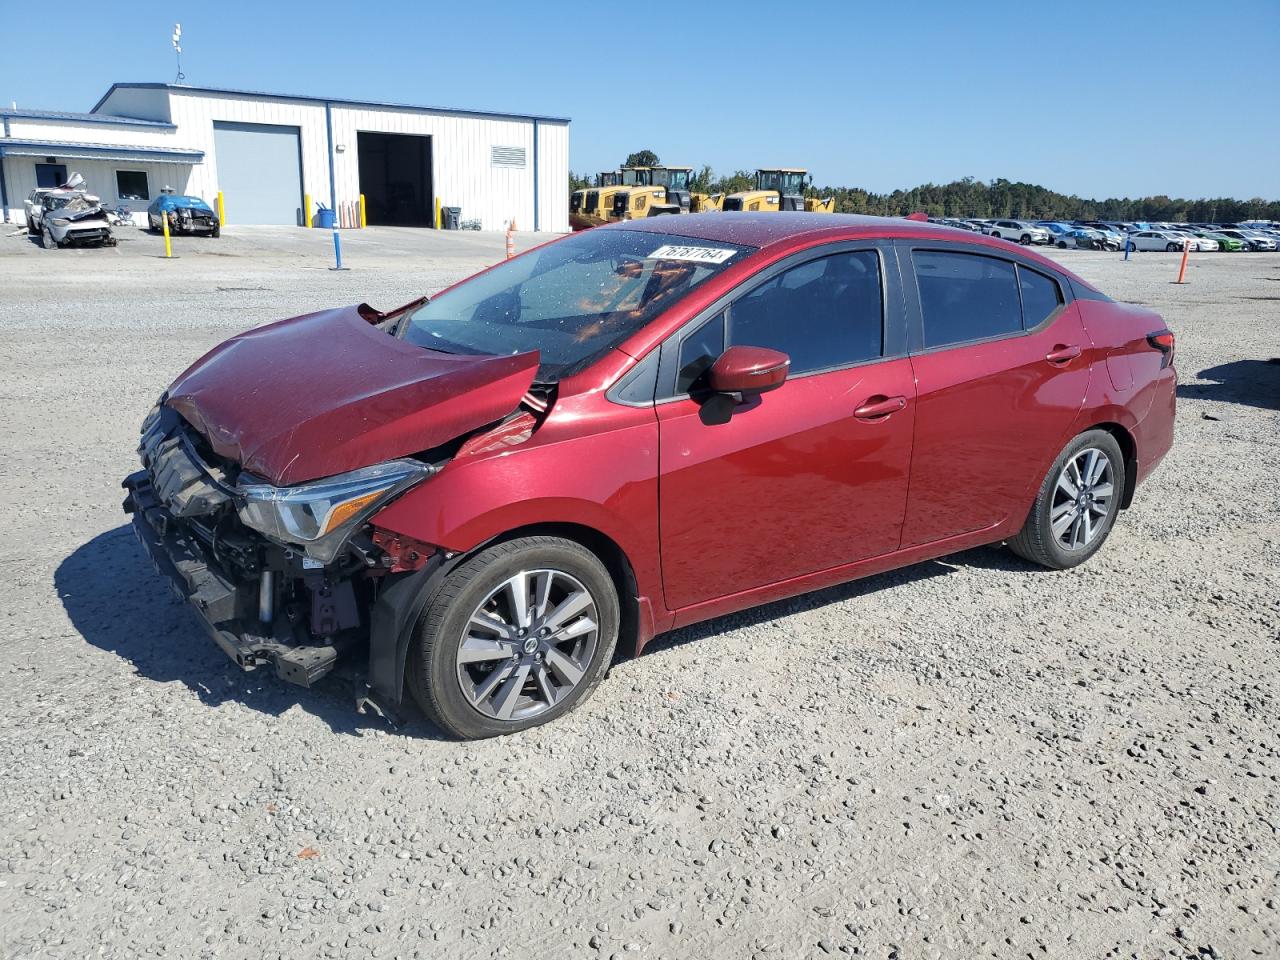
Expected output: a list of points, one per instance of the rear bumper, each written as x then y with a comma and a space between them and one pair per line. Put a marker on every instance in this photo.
225, 608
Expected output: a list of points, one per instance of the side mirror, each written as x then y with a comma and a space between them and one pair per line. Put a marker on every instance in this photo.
747, 371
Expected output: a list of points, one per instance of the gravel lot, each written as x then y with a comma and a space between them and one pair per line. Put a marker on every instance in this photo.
966, 758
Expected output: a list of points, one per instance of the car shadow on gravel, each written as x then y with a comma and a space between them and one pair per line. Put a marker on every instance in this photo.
986, 558
1254, 383
120, 604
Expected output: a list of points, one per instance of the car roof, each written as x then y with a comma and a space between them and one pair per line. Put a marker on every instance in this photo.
766, 230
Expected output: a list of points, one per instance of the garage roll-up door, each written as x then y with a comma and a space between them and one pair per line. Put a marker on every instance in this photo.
259, 172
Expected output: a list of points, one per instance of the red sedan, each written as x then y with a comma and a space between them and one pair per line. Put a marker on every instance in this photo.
489, 493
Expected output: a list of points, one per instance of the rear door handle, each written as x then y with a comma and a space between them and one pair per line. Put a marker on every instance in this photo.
877, 407
1061, 354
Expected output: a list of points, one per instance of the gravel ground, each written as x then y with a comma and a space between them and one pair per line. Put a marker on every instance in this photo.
965, 758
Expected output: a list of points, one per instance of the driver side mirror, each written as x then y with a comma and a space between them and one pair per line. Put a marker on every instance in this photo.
748, 371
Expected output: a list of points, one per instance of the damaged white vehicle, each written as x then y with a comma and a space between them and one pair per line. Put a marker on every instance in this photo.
73, 219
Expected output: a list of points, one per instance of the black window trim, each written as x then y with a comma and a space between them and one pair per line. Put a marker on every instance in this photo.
146, 179
910, 289
892, 327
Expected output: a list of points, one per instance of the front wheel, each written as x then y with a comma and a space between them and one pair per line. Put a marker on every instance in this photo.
516, 636
1025, 240
1171, 248
1076, 505
46, 239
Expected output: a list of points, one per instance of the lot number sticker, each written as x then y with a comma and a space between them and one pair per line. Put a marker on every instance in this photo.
696, 254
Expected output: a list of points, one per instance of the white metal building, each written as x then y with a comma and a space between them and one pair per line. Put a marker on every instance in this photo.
267, 152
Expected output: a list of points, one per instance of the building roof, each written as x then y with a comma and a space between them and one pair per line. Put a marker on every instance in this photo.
223, 91
16, 147
25, 114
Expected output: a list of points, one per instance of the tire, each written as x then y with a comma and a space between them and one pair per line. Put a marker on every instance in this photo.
1038, 541
31, 227
1025, 239
1170, 248
1062, 244
216, 232
996, 234
555, 675
47, 241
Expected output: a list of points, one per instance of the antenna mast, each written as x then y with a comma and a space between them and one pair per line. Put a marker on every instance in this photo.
177, 51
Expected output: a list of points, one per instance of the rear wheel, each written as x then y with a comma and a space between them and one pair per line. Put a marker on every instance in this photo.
516, 636
1062, 244
1076, 505
1171, 248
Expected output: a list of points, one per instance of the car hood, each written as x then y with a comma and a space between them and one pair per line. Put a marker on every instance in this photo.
328, 392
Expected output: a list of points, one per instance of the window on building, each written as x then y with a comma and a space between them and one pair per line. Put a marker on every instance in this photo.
132, 185
965, 296
51, 174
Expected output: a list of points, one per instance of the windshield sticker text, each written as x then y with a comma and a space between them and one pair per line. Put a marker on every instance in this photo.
696, 254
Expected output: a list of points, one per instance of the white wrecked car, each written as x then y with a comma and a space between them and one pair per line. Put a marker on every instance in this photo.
70, 218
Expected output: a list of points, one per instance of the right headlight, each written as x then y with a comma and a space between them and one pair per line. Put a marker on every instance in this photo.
320, 516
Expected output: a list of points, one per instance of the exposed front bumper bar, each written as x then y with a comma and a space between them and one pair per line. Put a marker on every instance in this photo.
226, 609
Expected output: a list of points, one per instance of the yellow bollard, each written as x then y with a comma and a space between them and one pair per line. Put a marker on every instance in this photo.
164, 225
222, 213
437, 213
306, 210
363, 222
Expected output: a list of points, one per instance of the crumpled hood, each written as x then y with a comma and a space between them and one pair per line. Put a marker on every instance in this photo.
329, 392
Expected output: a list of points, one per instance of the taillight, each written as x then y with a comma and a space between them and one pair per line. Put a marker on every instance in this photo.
1163, 341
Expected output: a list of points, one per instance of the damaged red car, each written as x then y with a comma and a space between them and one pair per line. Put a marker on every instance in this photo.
486, 496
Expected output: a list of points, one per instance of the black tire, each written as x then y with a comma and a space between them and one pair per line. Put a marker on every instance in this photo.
216, 232
31, 227
1171, 248
996, 234
1035, 541
1062, 244
1025, 239
432, 671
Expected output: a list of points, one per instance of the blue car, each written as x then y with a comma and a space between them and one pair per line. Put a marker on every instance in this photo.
185, 215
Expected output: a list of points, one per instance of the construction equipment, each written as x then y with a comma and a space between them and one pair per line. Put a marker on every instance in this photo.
779, 189
590, 206
658, 191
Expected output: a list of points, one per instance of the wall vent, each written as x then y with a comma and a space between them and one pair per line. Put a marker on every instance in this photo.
508, 157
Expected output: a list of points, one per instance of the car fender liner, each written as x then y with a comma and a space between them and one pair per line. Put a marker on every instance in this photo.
395, 614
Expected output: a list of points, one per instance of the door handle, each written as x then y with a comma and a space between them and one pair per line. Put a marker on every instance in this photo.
1062, 355
877, 407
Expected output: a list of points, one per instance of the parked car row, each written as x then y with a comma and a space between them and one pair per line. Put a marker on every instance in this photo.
1112, 234
70, 216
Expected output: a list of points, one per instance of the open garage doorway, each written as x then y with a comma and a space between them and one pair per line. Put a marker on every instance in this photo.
395, 178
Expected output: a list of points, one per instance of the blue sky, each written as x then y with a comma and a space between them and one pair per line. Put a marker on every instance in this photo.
1095, 98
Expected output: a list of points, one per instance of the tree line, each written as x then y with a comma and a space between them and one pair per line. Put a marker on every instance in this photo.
999, 199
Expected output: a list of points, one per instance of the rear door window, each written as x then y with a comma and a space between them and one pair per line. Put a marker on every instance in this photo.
965, 296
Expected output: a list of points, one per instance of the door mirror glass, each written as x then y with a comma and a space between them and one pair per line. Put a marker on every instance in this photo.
748, 370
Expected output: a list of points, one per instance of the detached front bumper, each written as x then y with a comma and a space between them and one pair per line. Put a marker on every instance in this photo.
225, 607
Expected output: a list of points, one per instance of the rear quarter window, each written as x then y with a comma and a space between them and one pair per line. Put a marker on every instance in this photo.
1041, 297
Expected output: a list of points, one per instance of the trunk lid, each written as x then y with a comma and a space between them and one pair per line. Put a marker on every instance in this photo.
329, 392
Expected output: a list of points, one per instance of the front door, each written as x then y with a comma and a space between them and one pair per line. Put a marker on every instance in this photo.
806, 477
1000, 378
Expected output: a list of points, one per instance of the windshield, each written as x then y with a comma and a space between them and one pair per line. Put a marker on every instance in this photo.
57, 203
572, 300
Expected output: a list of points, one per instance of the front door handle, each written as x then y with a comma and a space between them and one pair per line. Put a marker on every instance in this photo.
1061, 354
877, 407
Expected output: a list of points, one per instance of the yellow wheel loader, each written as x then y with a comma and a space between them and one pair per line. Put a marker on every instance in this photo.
592, 208
779, 189
663, 190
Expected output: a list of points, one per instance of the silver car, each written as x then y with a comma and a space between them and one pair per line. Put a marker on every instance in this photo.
77, 221
1020, 231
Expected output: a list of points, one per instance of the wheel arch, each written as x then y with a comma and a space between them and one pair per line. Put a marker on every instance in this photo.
1129, 450
400, 604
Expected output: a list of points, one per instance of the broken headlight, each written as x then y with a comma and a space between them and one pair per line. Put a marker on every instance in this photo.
319, 516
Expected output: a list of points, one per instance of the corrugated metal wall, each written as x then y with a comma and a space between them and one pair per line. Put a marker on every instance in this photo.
464, 172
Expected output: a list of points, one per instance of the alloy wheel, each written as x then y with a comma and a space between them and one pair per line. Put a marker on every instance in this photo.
528, 644
1082, 499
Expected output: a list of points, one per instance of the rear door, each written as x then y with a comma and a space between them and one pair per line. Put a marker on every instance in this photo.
806, 477
998, 354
